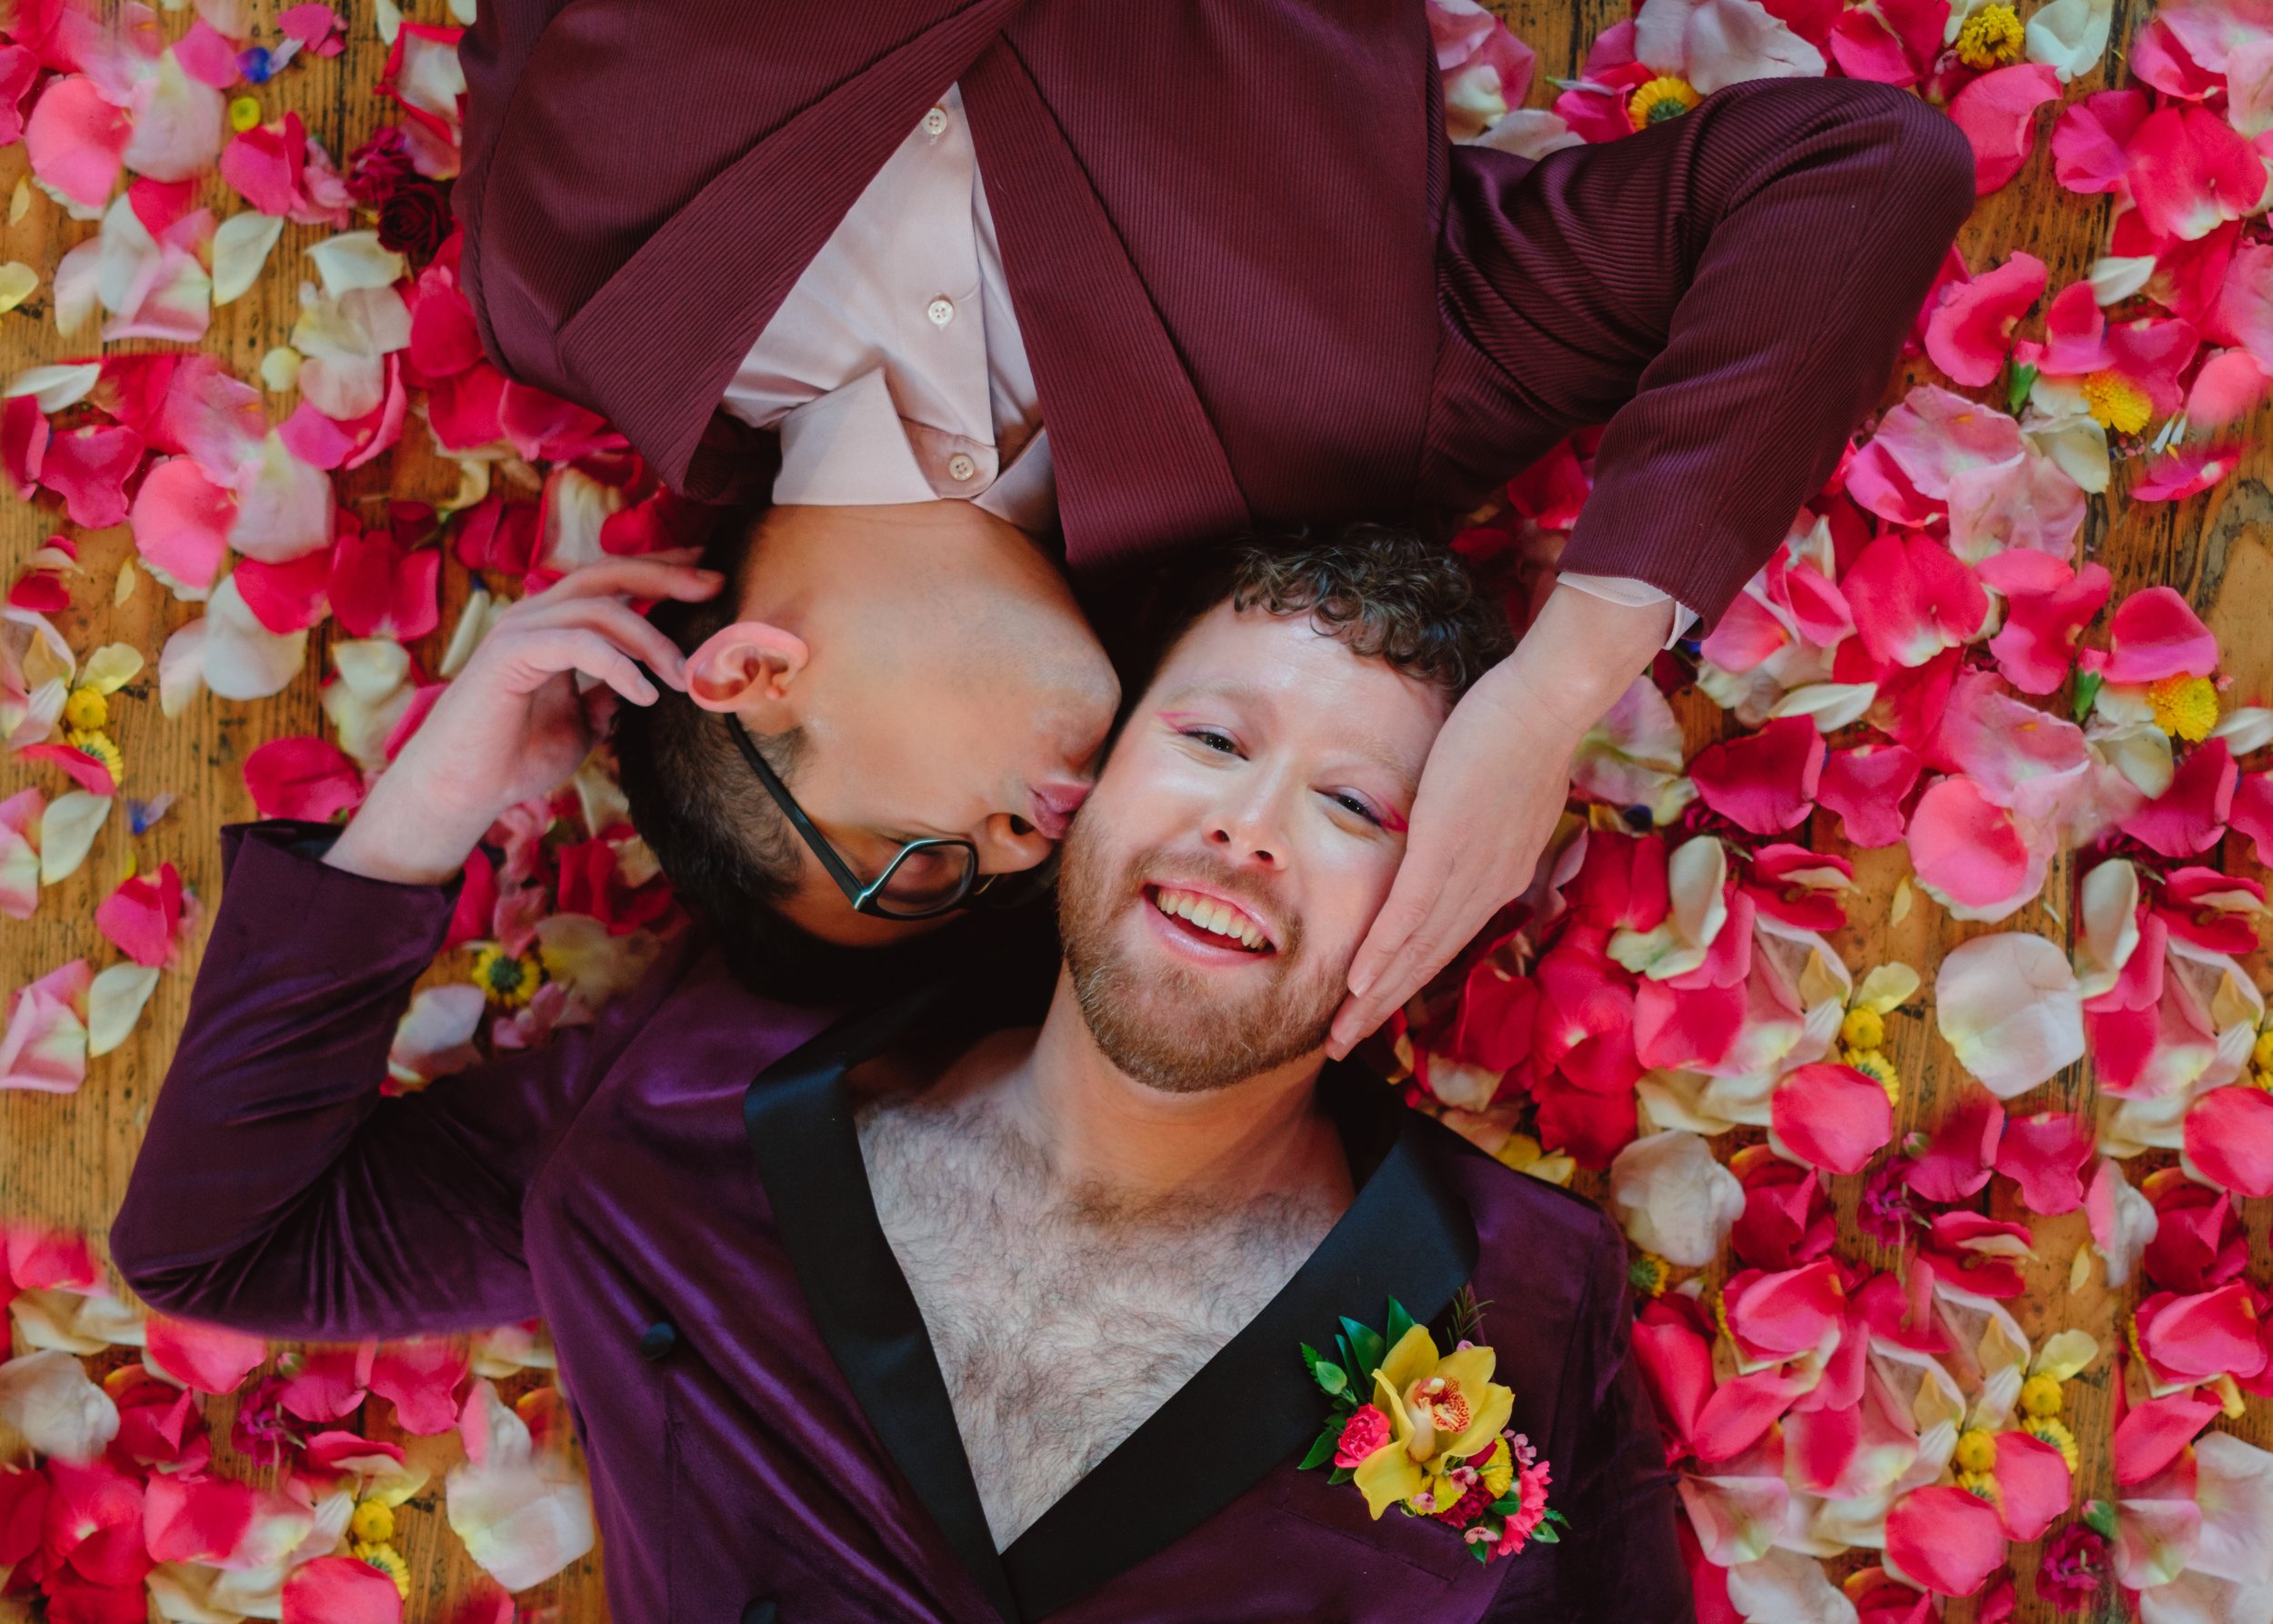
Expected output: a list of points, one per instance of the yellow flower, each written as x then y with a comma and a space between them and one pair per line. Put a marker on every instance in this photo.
1863, 1028
1441, 1409
2185, 706
86, 710
1523, 1153
2116, 402
2053, 1432
1976, 1451
510, 982
373, 1523
2263, 1051
99, 745
1662, 98
1981, 1484
1649, 1274
2040, 1395
387, 1560
1497, 1473
2262, 1079
1873, 1064
244, 114
1992, 37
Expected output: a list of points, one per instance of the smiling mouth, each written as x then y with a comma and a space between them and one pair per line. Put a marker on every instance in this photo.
1213, 920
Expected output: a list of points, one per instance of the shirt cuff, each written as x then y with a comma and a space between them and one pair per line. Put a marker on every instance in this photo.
1634, 595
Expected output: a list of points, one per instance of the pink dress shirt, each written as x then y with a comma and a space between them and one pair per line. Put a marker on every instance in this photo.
894, 371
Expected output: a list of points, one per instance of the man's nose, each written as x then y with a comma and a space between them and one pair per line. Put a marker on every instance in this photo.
1250, 833
1009, 844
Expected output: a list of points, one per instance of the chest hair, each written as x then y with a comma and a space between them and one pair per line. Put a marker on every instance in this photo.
1061, 1318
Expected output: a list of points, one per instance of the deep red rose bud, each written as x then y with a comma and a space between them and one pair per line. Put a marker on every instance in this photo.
414, 220
378, 166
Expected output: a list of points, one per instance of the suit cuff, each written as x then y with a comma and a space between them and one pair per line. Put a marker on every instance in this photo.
1634, 595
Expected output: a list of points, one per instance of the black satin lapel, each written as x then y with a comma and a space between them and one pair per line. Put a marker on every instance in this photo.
1404, 1236
799, 1118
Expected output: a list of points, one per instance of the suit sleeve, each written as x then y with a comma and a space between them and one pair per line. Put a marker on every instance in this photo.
1726, 291
1621, 1558
277, 1191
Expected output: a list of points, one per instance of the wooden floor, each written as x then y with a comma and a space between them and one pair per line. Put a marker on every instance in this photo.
63, 1160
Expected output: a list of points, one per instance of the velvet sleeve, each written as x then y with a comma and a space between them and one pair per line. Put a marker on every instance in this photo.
277, 1191
1727, 292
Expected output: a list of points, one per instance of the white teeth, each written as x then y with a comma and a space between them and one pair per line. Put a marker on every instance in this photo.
1215, 918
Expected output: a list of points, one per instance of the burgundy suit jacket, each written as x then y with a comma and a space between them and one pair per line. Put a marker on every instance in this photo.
677, 1190
1255, 284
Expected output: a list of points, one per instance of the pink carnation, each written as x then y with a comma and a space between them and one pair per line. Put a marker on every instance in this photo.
1362, 1434
1531, 1485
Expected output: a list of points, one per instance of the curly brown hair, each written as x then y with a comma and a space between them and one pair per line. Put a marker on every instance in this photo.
1383, 590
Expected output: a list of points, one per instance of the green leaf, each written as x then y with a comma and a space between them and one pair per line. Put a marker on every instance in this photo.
1551, 1515
2101, 1517
1349, 1359
2086, 690
1342, 1474
1366, 1346
1481, 1550
2016, 388
1332, 1379
1546, 1535
1506, 1504
1399, 1323
1322, 1451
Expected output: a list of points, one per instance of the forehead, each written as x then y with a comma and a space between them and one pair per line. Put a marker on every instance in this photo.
1304, 683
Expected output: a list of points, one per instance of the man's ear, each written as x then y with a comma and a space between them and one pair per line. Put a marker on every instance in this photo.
746, 664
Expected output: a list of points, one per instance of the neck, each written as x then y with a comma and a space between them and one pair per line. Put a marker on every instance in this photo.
1099, 1128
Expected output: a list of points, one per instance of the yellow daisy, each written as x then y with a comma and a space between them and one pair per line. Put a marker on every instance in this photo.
1863, 1028
2116, 402
1663, 97
509, 981
1992, 37
2185, 706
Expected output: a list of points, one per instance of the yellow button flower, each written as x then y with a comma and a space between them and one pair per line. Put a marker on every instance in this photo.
2263, 1051
1662, 98
1441, 1409
390, 1561
2040, 1396
1863, 1028
99, 745
1992, 37
2117, 403
244, 114
2056, 1433
2185, 706
373, 1523
86, 710
1976, 1451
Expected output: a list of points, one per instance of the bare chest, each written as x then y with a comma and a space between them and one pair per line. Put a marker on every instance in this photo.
1060, 1328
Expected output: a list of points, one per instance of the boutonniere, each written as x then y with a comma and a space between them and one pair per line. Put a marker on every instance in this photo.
1427, 1432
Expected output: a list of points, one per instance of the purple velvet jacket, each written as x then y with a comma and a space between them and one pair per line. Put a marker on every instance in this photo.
677, 1191
1255, 284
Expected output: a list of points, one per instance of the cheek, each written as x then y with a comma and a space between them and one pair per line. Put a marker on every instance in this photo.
1349, 888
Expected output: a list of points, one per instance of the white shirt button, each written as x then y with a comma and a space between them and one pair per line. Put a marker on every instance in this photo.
941, 313
961, 467
936, 122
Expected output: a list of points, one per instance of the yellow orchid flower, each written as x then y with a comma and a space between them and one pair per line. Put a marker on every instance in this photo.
1442, 1409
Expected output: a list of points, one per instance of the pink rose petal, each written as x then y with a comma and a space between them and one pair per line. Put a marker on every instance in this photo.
1912, 599
1946, 1538
1970, 335
143, 918
304, 777
1831, 1117
77, 141
1865, 786
2155, 634
1763, 782
2048, 608
2091, 140
1997, 114
2191, 171
2188, 818
1966, 847
2229, 1137
181, 522
2154, 1430
2046, 1155
2033, 1484
89, 468
340, 1590
208, 1357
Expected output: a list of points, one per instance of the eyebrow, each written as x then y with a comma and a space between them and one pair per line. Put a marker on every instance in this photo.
1366, 746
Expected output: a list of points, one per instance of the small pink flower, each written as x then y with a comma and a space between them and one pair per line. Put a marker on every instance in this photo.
2075, 1563
1362, 1434
1531, 1485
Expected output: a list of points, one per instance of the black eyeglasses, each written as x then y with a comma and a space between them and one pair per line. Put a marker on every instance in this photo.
926, 878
